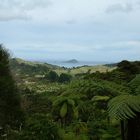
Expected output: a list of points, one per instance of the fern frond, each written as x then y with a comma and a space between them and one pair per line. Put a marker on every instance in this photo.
124, 106
63, 110
100, 98
59, 101
71, 102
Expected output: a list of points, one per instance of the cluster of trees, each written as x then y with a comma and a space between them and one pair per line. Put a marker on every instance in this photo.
92, 106
52, 76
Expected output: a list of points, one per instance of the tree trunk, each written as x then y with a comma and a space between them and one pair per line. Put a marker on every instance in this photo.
138, 127
133, 132
122, 130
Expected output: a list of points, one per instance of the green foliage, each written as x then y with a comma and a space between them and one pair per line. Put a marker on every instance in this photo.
4, 61
123, 74
52, 76
19, 66
76, 132
137, 90
100, 98
80, 128
39, 127
36, 103
63, 110
129, 67
109, 134
64, 107
124, 107
134, 84
91, 88
10, 111
64, 78
68, 136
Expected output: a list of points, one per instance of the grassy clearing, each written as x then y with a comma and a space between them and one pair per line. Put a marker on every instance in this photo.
85, 69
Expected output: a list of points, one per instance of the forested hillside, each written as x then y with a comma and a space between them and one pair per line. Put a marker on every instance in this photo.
27, 67
46, 102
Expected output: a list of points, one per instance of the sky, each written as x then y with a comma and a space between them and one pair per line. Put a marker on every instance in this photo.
87, 30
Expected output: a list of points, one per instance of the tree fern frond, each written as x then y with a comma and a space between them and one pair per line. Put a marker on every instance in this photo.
59, 101
100, 98
71, 102
124, 106
75, 112
63, 110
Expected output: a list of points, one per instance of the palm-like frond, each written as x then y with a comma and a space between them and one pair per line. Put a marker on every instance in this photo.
59, 101
100, 98
63, 110
124, 106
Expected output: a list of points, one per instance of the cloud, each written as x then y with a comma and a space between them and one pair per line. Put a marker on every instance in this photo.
20, 9
61, 11
123, 8
53, 10
13, 15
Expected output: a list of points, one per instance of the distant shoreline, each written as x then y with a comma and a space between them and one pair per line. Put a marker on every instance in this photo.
78, 64
69, 63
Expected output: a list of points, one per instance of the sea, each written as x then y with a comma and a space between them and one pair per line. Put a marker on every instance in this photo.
77, 64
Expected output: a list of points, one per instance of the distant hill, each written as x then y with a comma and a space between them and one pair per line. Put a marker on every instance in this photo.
23, 68
72, 61
20, 66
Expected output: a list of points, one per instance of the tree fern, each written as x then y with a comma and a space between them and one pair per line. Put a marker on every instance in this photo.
63, 110
124, 106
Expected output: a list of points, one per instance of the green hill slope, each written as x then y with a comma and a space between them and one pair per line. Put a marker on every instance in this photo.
20, 66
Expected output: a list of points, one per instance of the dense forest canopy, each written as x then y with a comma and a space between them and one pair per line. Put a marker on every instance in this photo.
42, 101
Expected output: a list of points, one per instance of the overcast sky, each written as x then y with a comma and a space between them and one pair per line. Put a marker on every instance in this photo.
95, 30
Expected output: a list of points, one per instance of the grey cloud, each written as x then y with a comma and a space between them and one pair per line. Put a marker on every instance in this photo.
119, 8
19, 9
14, 17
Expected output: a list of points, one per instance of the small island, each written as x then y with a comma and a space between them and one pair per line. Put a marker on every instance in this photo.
72, 61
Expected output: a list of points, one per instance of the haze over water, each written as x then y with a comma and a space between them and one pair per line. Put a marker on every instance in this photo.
71, 65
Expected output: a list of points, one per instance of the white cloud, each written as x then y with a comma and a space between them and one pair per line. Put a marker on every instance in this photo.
61, 11
13, 15
56, 10
20, 9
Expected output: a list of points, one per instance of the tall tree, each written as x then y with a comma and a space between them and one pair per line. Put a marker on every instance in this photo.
10, 111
